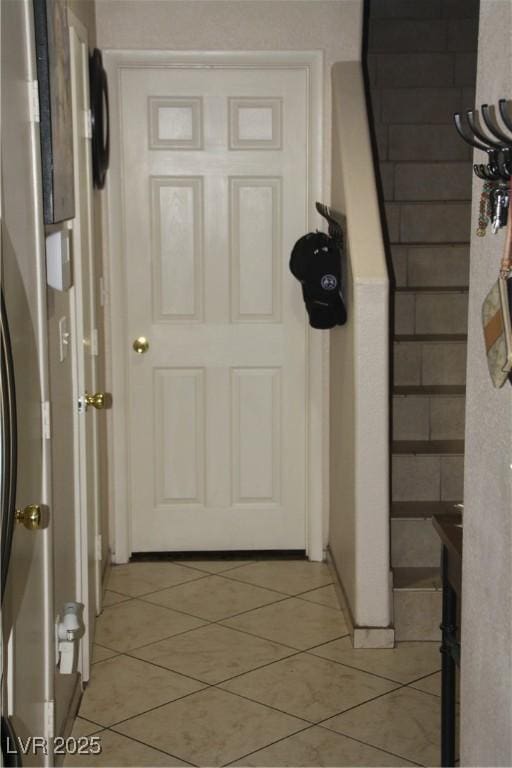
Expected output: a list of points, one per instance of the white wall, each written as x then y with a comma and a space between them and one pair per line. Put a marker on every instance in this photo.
359, 456
486, 724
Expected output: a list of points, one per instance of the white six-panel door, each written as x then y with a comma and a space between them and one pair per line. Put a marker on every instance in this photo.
214, 194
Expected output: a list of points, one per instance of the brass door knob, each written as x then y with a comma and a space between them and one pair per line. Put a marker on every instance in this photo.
141, 345
34, 517
99, 400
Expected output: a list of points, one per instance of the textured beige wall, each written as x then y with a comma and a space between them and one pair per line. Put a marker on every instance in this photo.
486, 679
196, 25
85, 11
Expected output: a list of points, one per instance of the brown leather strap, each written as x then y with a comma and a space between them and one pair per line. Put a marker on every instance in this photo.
493, 329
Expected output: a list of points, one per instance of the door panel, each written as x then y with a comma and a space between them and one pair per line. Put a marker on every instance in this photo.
215, 172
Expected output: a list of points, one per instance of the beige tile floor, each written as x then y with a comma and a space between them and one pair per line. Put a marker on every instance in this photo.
213, 663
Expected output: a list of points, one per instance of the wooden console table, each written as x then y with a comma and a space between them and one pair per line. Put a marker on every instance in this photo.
449, 528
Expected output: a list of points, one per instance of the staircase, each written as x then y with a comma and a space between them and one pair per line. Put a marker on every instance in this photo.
422, 68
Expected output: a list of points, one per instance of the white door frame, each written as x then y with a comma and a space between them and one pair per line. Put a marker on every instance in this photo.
87, 510
117, 364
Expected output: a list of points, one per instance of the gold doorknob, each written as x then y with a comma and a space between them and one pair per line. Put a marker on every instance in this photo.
100, 400
34, 517
141, 345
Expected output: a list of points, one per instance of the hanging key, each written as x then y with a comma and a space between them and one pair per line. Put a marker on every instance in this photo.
499, 207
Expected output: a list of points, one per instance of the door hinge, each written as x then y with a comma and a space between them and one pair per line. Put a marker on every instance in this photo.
35, 115
49, 717
87, 124
99, 550
94, 342
47, 425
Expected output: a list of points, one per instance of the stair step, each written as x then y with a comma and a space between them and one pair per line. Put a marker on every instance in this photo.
433, 361
425, 142
425, 265
428, 417
417, 223
432, 289
432, 337
431, 182
417, 602
425, 390
422, 447
430, 313
414, 543
409, 69
418, 510
416, 579
427, 477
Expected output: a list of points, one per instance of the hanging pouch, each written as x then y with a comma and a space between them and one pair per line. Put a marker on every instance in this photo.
496, 319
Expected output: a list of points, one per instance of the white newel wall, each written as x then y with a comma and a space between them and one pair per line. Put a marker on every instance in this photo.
359, 456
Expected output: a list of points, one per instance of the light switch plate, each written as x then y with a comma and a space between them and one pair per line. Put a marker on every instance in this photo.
58, 260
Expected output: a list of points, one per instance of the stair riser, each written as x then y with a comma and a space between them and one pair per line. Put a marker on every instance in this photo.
431, 266
424, 34
431, 313
433, 417
425, 182
424, 223
424, 142
417, 615
427, 478
406, 70
414, 544
439, 363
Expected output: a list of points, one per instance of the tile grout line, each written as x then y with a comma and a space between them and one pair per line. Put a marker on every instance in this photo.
367, 744
153, 709
277, 642
129, 655
227, 679
221, 618
301, 717
151, 746
360, 669
399, 687
260, 749
335, 733
200, 577
252, 634
206, 622
167, 637
293, 652
232, 578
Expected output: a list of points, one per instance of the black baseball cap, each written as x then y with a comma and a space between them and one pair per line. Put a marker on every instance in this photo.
316, 262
